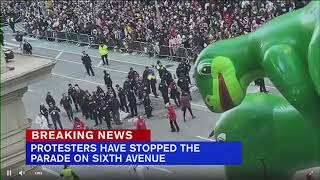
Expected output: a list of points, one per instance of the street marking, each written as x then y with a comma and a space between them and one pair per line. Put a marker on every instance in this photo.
100, 63
205, 138
11, 44
8, 47
164, 170
58, 56
74, 62
77, 79
50, 171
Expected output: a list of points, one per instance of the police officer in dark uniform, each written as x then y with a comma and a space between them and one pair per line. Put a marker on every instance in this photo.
44, 111
132, 103
183, 83
93, 109
97, 110
50, 99
174, 93
105, 113
54, 111
123, 99
186, 69
262, 85
84, 103
167, 77
65, 102
115, 106
126, 85
99, 91
163, 88
180, 71
86, 60
107, 79
132, 74
72, 95
140, 90
147, 105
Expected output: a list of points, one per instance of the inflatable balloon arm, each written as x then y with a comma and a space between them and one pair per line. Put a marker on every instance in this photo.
314, 56
289, 72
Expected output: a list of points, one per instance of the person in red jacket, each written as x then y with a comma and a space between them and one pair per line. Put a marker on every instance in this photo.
78, 124
141, 124
172, 116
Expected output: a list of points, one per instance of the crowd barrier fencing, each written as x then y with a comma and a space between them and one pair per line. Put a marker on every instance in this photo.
149, 49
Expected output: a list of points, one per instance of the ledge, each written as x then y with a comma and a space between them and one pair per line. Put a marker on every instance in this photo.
27, 69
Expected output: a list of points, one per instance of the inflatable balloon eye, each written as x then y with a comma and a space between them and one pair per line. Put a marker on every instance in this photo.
204, 69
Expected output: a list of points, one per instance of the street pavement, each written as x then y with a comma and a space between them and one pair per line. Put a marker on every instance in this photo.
69, 69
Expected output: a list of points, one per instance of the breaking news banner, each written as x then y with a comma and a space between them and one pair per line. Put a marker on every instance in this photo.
123, 147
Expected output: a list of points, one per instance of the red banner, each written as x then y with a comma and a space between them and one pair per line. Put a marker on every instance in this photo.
88, 135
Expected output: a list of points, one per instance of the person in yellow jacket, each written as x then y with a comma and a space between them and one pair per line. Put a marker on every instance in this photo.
68, 174
103, 50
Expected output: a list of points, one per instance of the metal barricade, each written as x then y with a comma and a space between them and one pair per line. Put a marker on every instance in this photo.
61, 36
83, 39
49, 35
136, 46
164, 51
72, 37
181, 54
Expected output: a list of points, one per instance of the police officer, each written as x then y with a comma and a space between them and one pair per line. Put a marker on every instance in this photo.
152, 81
180, 71
105, 113
127, 85
146, 72
67, 173
86, 60
44, 111
50, 99
93, 109
174, 93
99, 92
107, 79
103, 50
115, 106
132, 74
54, 112
147, 105
123, 99
84, 103
132, 103
65, 102
167, 77
163, 88
262, 85
161, 68
140, 90
72, 95
186, 69
183, 84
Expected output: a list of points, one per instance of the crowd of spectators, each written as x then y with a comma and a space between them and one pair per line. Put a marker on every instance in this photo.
175, 23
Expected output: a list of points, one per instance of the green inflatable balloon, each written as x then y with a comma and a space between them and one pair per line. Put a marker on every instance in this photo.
280, 135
